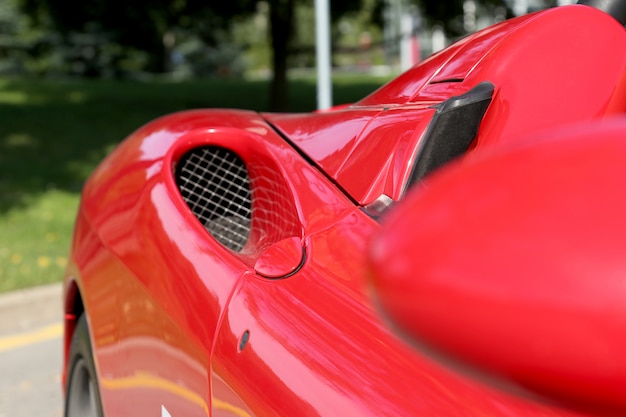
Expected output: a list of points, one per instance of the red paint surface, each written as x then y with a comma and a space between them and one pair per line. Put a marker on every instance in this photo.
527, 281
280, 259
560, 66
169, 306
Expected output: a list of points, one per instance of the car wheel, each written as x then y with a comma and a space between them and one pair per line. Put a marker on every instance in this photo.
82, 394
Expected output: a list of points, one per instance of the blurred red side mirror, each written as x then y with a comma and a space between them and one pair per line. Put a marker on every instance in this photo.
513, 262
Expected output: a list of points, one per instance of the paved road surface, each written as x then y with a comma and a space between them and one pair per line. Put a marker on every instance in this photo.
30, 353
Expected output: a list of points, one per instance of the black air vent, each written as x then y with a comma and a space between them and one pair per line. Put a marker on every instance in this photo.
215, 185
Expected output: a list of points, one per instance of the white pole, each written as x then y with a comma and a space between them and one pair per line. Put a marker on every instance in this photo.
406, 30
322, 53
438, 39
520, 7
469, 16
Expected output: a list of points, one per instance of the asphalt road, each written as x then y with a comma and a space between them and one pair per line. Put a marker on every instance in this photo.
30, 353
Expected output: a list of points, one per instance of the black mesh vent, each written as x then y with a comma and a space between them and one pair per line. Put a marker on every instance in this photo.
215, 185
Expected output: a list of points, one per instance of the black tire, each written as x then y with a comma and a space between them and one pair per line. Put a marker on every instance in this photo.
82, 398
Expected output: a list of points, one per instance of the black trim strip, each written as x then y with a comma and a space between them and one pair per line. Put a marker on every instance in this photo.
447, 80
452, 129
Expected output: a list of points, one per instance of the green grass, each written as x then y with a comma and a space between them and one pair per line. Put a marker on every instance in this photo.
35, 240
53, 133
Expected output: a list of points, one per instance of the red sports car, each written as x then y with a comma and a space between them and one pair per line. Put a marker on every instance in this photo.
454, 244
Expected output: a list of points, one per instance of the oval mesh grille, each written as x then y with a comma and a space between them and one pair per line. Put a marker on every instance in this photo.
215, 185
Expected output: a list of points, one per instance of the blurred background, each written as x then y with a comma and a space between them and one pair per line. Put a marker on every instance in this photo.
76, 77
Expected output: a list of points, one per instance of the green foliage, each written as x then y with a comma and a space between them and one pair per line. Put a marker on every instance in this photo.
19, 41
35, 240
53, 133
132, 27
189, 38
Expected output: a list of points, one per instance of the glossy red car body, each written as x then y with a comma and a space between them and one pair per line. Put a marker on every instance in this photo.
289, 325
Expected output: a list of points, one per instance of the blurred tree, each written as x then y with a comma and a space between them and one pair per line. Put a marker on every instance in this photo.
138, 24
282, 13
281, 33
10, 22
19, 42
107, 32
150, 27
449, 13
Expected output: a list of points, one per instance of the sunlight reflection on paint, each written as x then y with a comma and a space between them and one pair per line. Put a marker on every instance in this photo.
144, 380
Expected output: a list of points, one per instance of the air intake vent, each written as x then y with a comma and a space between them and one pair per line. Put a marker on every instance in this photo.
215, 185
